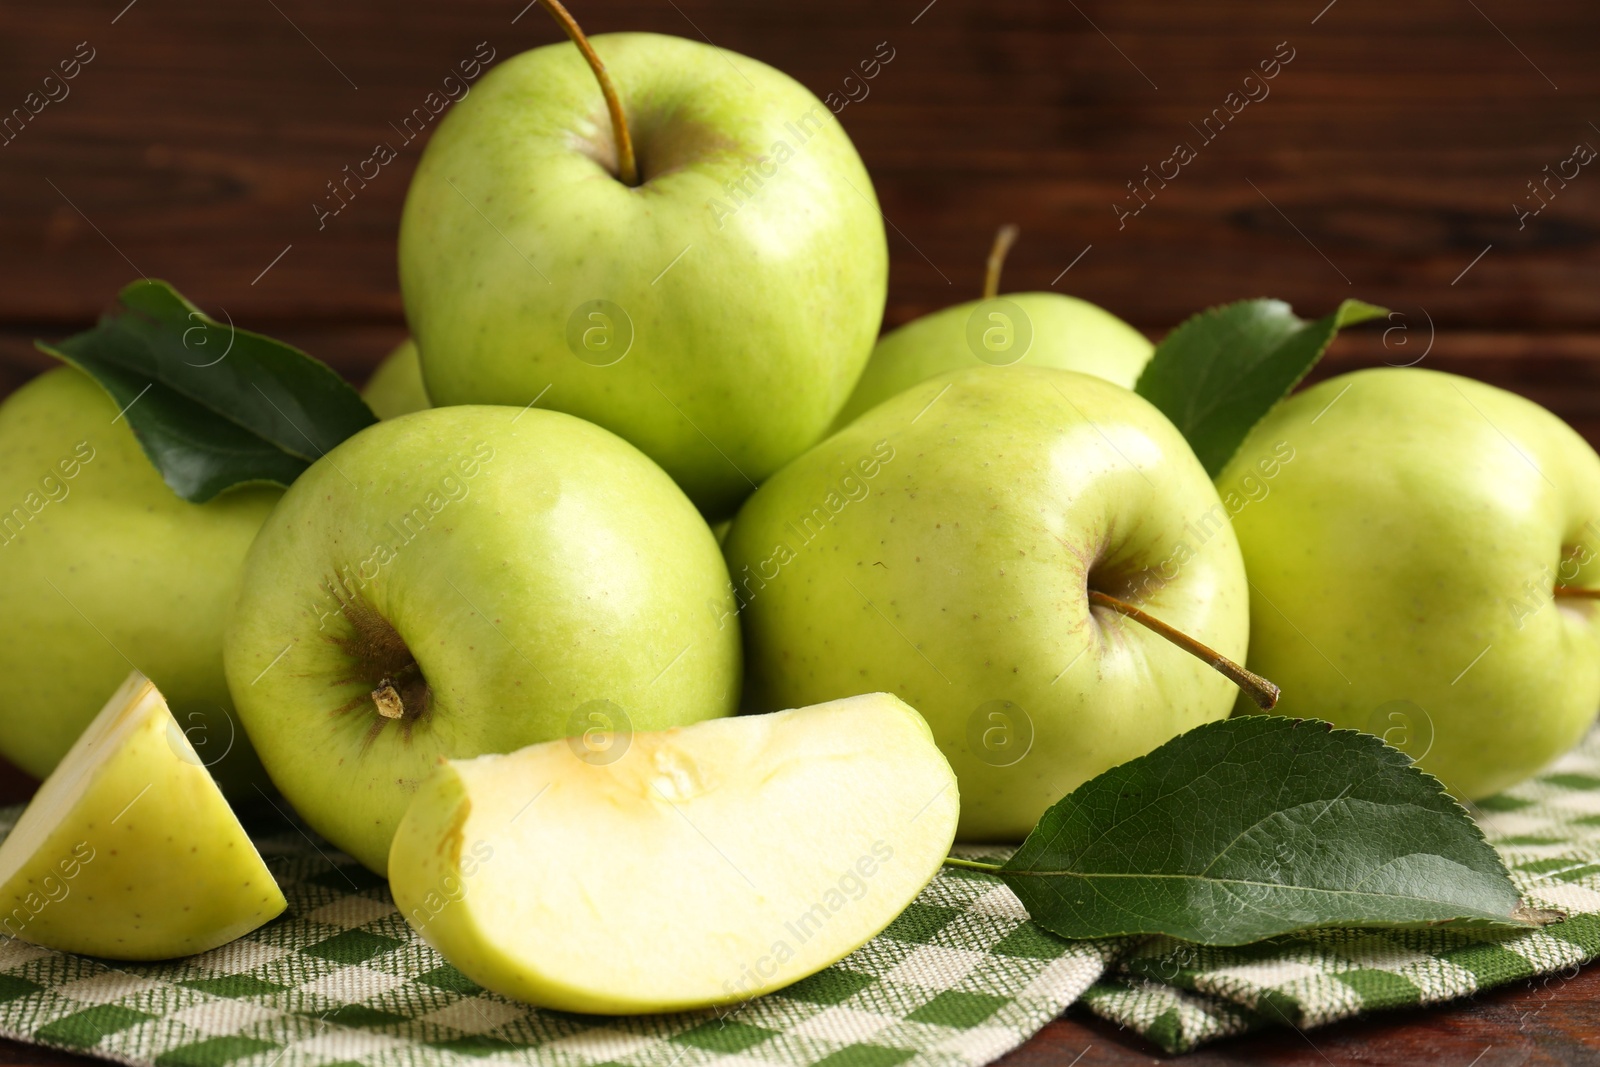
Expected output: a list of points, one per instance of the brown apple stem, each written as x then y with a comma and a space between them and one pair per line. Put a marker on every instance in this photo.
1004, 238
1575, 591
1257, 688
627, 165
388, 702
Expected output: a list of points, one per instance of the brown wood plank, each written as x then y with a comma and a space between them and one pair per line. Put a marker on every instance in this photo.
18, 1054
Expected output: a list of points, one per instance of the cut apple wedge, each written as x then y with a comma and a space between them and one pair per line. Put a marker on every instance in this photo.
704, 865
129, 850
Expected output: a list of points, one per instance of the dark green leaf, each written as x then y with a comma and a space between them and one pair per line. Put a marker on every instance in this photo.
1258, 826
212, 406
1219, 372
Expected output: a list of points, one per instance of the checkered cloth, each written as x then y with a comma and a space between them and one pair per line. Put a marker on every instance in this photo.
1548, 832
959, 979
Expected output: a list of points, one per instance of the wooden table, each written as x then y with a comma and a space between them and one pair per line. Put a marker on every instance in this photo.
1388, 162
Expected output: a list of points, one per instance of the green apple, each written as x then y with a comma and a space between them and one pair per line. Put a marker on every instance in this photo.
1405, 555
705, 865
946, 546
466, 580
103, 568
716, 314
1018, 329
396, 388
129, 850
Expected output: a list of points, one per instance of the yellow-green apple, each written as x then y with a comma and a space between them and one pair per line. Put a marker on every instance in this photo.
771, 846
1418, 569
715, 312
129, 850
963, 546
1041, 329
466, 580
396, 388
104, 568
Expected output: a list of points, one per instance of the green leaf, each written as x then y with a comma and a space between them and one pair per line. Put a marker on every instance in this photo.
1254, 827
1219, 372
211, 405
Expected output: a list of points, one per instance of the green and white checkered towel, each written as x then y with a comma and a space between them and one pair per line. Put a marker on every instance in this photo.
959, 979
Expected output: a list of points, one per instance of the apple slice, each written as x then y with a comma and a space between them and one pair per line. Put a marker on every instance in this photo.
703, 865
128, 850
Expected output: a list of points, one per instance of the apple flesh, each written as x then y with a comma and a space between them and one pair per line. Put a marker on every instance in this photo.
943, 546
1019, 329
103, 565
129, 850
1404, 559
466, 580
396, 388
705, 865
716, 315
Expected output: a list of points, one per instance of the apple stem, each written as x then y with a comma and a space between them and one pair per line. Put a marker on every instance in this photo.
1576, 591
388, 701
627, 165
972, 865
1004, 238
1257, 688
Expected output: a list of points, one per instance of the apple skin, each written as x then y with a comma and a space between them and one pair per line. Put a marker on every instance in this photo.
709, 864
129, 851
113, 570
1058, 331
752, 313
597, 578
1423, 519
396, 388
941, 548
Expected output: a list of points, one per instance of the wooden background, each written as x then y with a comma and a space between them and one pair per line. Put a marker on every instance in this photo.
1387, 163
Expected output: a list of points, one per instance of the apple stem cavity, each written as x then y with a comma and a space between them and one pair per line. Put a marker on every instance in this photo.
1577, 592
1004, 238
627, 164
379, 660
1257, 688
